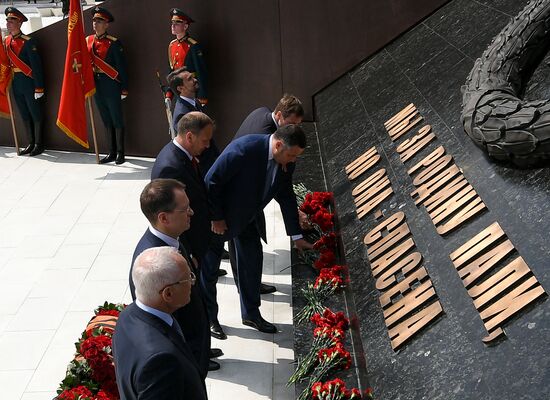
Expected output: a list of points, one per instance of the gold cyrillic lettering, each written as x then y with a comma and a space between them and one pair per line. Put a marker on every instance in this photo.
425, 191
362, 164
433, 169
408, 328
465, 213
391, 257
499, 282
383, 245
483, 240
443, 195
410, 147
484, 263
428, 160
409, 303
368, 182
404, 266
403, 287
366, 208
405, 125
499, 312
397, 118
376, 188
385, 226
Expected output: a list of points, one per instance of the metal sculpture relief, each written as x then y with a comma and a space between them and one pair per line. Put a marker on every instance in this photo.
494, 114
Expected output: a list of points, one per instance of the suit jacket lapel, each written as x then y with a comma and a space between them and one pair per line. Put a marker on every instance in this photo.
188, 165
167, 331
269, 122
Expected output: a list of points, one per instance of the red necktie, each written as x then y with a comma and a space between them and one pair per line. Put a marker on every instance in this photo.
195, 163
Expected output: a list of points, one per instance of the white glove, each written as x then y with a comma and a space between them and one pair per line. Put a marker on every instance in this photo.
123, 96
38, 95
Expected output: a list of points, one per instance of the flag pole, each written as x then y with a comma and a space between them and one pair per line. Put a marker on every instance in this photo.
16, 141
12, 121
89, 100
93, 129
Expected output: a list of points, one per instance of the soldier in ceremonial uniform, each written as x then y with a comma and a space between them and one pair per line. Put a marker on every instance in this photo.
185, 51
111, 82
28, 80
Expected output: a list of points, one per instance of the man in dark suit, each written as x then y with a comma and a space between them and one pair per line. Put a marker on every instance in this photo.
166, 205
184, 84
178, 160
152, 358
249, 173
289, 110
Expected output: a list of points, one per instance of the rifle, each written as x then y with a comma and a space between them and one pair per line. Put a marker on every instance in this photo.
167, 104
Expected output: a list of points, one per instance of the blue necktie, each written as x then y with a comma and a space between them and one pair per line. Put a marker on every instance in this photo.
177, 328
269, 176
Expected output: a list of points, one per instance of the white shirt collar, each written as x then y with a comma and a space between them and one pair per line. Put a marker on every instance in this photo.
157, 313
270, 151
274, 120
170, 241
189, 100
179, 146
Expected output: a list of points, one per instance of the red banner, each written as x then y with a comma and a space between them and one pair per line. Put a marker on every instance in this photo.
5, 79
78, 80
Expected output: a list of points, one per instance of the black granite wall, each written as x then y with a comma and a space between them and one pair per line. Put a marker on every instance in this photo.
427, 66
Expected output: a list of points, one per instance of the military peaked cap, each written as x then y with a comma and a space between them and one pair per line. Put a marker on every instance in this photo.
12, 12
102, 13
177, 14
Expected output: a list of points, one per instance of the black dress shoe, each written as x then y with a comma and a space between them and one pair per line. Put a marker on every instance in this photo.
108, 158
215, 353
217, 332
222, 272
27, 149
261, 324
120, 159
38, 149
266, 289
213, 365
225, 255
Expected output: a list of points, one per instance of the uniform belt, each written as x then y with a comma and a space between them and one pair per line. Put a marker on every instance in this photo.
17, 70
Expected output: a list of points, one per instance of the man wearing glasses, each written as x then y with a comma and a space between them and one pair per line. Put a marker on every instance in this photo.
152, 357
166, 205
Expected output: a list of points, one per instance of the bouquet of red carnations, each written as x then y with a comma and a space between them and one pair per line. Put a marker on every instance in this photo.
91, 375
327, 283
333, 390
328, 333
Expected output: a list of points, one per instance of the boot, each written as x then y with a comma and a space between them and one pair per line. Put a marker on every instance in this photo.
111, 137
38, 147
120, 146
30, 135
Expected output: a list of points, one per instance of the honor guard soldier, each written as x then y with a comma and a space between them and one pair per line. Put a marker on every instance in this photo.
28, 80
111, 82
186, 51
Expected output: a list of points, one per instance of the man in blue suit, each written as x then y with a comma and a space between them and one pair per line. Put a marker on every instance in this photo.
289, 110
165, 204
152, 358
249, 173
